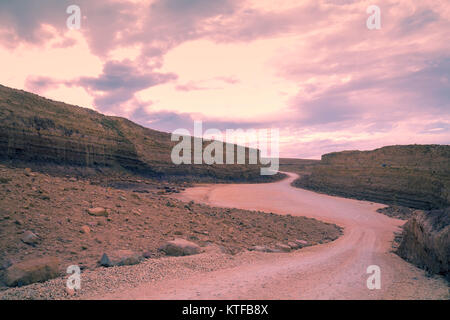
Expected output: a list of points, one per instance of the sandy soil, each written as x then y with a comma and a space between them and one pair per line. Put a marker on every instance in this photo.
335, 270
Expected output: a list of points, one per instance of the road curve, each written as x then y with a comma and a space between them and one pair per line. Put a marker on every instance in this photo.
336, 270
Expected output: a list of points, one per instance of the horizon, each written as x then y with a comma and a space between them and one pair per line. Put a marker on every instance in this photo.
313, 70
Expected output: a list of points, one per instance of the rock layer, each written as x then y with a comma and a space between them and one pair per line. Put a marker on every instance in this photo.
416, 176
426, 241
41, 131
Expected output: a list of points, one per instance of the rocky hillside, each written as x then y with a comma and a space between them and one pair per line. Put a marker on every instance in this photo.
426, 241
41, 131
300, 166
77, 221
416, 176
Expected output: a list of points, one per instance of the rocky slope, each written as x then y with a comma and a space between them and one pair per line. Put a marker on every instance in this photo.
416, 176
77, 221
426, 241
300, 166
41, 132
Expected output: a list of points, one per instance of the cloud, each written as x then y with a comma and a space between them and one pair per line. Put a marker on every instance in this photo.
24, 21
189, 87
40, 84
229, 80
169, 121
346, 86
437, 128
25, 18
119, 82
379, 99
253, 24
417, 21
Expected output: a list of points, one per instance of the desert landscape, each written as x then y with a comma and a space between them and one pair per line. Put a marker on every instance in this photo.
131, 231
219, 158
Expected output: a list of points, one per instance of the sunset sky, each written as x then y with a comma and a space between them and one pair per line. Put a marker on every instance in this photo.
308, 67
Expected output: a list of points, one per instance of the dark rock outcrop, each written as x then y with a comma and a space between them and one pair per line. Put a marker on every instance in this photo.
120, 258
180, 247
426, 241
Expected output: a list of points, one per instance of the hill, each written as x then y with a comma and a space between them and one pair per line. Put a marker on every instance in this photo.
416, 176
41, 132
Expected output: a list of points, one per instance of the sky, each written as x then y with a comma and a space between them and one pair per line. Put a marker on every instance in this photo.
310, 68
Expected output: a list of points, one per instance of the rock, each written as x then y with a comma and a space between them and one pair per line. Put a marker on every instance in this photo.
147, 254
31, 271
414, 176
283, 247
70, 292
425, 241
73, 179
141, 191
273, 250
294, 245
302, 243
260, 249
30, 238
120, 258
98, 211
6, 264
122, 198
137, 212
85, 229
180, 247
206, 233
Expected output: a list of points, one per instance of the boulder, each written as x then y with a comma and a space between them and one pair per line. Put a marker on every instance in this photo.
70, 292
30, 238
120, 258
136, 212
301, 243
98, 211
85, 229
294, 245
31, 271
283, 247
147, 254
426, 241
28, 172
180, 247
273, 250
260, 249
268, 249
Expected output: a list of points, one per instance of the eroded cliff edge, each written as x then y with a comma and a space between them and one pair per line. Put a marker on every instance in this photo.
415, 176
43, 132
426, 241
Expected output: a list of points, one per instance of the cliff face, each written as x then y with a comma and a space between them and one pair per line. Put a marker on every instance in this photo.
41, 131
416, 176
36, 129
426, 241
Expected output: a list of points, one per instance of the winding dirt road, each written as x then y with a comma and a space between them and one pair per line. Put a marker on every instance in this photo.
336, 270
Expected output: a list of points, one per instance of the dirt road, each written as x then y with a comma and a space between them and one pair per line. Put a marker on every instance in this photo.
336, 270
